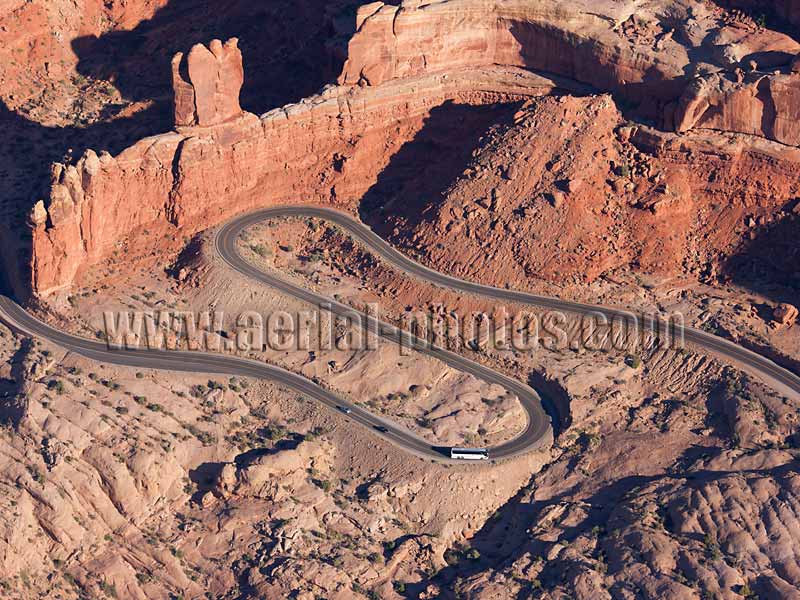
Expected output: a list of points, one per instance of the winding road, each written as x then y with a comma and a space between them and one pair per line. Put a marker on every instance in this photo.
755, 364
537, 427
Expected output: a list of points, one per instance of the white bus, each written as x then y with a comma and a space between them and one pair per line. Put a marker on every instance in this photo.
469, 453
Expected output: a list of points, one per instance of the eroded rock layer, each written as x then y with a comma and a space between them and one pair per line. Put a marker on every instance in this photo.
684, 65
327, 149
645, 55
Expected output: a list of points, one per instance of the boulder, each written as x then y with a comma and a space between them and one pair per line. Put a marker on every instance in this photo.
784, 315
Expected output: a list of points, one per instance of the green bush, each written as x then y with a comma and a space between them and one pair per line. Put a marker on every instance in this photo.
623, 170
633, 361
56, 386
323, 484
261, 250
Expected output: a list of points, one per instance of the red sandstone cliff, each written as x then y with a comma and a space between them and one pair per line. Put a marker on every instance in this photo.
329, 148
681, 62
756, 104
642, 54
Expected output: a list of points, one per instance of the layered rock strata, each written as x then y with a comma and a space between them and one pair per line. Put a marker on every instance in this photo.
329, 148
645, 55
767, 106
682, 64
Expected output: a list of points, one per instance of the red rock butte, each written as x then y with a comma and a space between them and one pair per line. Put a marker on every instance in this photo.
207, 83
680, 65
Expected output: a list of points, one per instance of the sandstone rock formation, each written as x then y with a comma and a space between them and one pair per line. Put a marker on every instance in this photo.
263, 475
207, 83
288, 154
642, 54
756, 104
785, 315
680, 64
413, 38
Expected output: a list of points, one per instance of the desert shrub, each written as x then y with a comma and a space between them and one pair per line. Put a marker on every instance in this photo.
323, 484
275, 433
633, 361
261, 250
452, 557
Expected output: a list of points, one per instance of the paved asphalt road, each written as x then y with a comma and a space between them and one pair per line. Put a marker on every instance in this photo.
537, 426
761, 367
197, 362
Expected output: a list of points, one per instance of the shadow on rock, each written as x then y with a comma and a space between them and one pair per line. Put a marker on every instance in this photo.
420, 172
290, 49
769, 262
556, 401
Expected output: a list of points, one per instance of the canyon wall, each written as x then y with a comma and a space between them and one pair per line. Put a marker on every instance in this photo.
756, 104
682, 64
329, 148
650, 56
573, 39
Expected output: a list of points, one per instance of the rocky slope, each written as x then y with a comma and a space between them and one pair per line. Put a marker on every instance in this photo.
35, 44
440, 404
145, 485
680, 516
571, 191
672, 478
